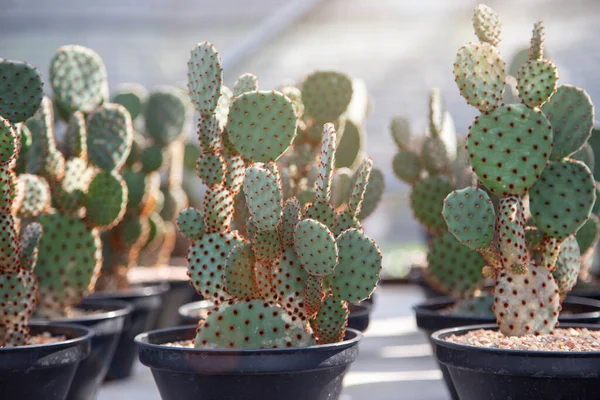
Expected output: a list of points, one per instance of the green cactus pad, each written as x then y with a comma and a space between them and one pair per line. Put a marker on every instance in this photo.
69, 261
323, 212
537, 82
345, 221
571, 113
509, 147
341, 186
41, 127
567, 265
109, 136
250, 325
156, 232
9, 246
326, 95
205, 77
267, 246
210, 168
453, 268
510, 233
78, 78
76, 136
12, 191
222, 110
290, 217
296, 96
480, 71
37, 196
265, 281
132, 96
469, 214
526, 304
206, 263
217, 209
586, 156
359, 263
235, 169
209, 133
360, 181
106, 199
8, 142
487, 25
175, 200
427, 201
407, 166
434, 155
587, 236
436, 112
536, 49
245, 83
373, 194
133, 230
191, 224
152, 158
316, 247
400, 128
30, 241
20, 287
350, 146
562, 199
326, 163
137, 183
290, 279
262, 125
22, 131
240, 281
22, 90
330, 322
480, 306
166, 115
313, 295
263, 197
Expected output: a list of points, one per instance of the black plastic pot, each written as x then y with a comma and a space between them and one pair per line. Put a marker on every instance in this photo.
107, 327
431, 319
310, 373
360, 315
180, 292
482, 373
146, 302
43, 371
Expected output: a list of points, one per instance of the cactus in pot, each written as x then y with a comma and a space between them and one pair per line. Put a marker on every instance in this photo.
287, 281
521, 154
21, 93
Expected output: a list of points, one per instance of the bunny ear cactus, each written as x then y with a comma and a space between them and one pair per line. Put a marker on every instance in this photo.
21, 93
520, 150
285, 282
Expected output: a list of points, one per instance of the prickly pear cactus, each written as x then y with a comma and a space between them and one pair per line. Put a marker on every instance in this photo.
521, 151
21, 95
269, 278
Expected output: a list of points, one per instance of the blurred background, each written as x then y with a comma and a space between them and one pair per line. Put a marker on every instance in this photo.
400, 48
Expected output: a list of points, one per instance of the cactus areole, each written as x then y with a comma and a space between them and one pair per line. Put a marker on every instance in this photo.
534, 196
284, 277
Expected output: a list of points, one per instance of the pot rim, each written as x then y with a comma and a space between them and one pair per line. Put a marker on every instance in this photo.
135, 291
123, 309
142, 341
437, 338
85, 334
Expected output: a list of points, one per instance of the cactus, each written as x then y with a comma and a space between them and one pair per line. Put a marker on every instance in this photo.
21, 93
518, 152
269, 279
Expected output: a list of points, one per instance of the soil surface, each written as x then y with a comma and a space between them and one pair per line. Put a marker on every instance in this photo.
46, 338
569, 339
189, 344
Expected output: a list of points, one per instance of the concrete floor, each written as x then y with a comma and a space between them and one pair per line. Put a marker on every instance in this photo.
395, 361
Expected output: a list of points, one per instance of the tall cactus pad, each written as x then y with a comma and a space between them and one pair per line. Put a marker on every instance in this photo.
37, 197
453, 268
434, 155
509, 147
106, 199
480, 71
9, 245
70, 258
109, 136
326, 95
209, 133
17, 302
330, 321
360, 178
510, 232
262, 125
537, 82
326, 163
206, 264
290, 218
289, 279
210, 168
205, 77
400, 128
355, 280
373, 194
562, 199
245, 83
427, 199
316, 247
526, 304
567, 266
436, 112
571, 113
250, 325
166, 115
536, 50
8, 142
76, 136
263, 197
469, 214
22, 90
217, 209
234, 172
487, 25
78, 78
240, 280
350, 147
314, 294
69, 194
191, 224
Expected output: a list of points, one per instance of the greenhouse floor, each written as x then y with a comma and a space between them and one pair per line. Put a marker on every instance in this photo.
395, 360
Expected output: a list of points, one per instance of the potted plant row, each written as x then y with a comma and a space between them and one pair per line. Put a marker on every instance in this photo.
531, 199
279, 283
